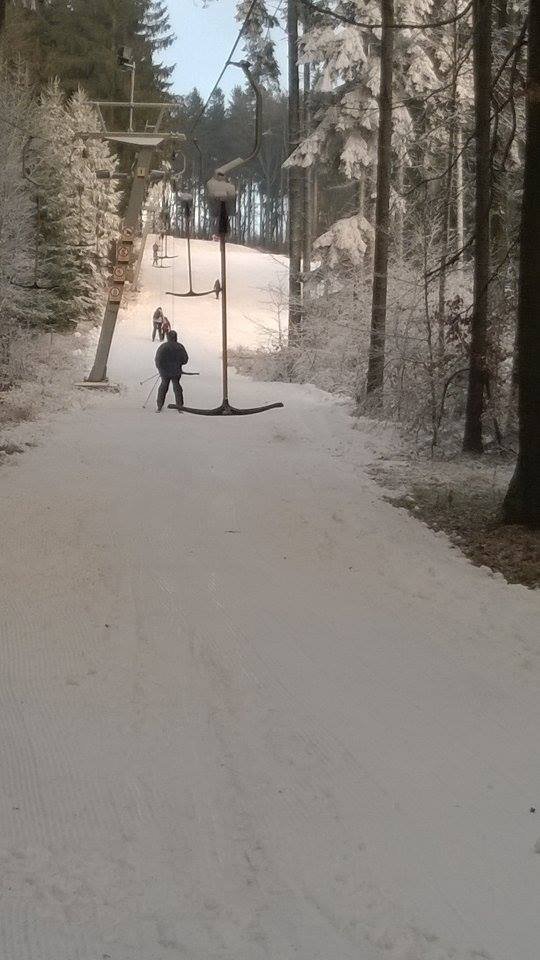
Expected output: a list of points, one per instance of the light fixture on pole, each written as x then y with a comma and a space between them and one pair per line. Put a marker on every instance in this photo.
126, 62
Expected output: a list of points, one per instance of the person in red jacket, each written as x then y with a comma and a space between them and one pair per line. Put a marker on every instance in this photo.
165, 328
157, 321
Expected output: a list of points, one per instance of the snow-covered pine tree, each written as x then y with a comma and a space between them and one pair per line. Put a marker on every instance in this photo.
21, 304
78, 42
345, 60
76, 210
58, 204
259, 44
97, 216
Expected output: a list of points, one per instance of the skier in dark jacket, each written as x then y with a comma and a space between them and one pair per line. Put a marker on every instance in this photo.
170, 358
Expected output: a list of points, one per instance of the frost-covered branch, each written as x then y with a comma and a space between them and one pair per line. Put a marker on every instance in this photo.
343, 18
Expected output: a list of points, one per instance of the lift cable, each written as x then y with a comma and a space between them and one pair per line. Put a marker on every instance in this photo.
203, 109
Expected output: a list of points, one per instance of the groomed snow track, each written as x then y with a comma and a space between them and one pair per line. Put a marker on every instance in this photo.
249, 710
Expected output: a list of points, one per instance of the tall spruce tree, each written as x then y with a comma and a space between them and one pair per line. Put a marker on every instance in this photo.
375, 376
22, 301
259, 44
482, 28
78, 42
77, 213
522, 503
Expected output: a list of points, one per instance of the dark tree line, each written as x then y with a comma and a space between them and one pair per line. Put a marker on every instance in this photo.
226, 130
76, 41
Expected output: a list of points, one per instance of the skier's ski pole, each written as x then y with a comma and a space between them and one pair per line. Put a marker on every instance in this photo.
185, 373
151, 392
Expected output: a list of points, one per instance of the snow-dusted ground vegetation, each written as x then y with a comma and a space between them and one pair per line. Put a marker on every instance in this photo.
57, 223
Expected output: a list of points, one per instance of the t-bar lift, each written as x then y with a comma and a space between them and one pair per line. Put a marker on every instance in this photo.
221, 194
185, 199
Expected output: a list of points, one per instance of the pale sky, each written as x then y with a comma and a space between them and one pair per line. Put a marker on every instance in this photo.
204, 37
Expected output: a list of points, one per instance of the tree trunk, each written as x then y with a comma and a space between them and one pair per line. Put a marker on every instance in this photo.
445, 246
472, 440
400, 213
249, 219
315, 204
375, 375
522, 503
308, 178
447, 197
460, 219
361, 199
294, 178
500, 186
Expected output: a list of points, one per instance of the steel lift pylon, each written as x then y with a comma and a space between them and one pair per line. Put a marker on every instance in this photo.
147, 142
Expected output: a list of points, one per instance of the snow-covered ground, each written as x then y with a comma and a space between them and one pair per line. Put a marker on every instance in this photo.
249, 710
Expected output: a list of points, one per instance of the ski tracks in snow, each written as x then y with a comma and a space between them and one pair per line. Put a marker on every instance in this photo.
249, 710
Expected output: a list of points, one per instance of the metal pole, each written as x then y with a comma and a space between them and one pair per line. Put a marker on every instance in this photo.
225, 359
188, 241
132, 98
98, 373
144, 237
151, 392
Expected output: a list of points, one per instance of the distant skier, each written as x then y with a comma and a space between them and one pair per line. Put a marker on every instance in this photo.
157, 323
155, 250
165, 328
170, 358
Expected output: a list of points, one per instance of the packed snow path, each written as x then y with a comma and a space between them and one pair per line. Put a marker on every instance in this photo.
249, 710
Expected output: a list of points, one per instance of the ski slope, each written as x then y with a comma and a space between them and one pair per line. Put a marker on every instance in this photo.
249, 710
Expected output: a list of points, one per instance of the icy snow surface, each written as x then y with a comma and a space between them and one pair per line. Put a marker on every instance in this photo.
249, 710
